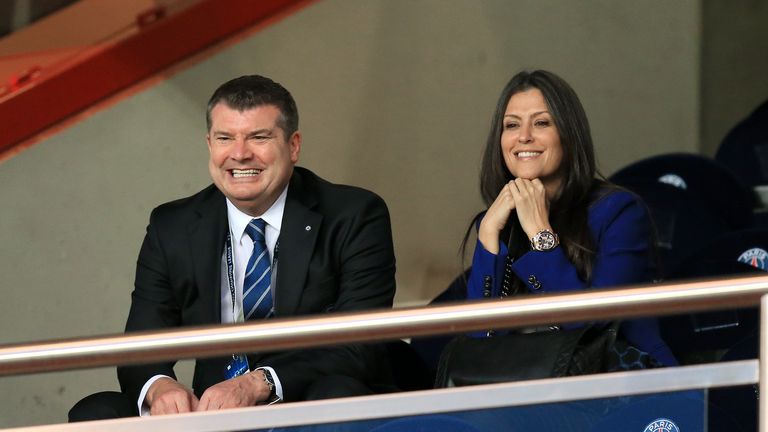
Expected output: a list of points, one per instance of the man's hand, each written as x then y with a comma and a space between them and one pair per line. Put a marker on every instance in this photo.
168, 396
243, 391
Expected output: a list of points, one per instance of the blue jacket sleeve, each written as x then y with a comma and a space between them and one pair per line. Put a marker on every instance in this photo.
620, 227
487, 270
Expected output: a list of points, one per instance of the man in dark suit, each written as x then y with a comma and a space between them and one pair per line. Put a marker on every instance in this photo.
329, 248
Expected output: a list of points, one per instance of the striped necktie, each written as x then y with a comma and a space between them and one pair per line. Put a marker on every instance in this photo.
257, 294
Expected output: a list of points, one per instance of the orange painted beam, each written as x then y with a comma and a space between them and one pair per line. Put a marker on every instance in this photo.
40, 98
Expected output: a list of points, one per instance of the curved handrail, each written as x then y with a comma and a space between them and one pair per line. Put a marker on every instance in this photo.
368, 326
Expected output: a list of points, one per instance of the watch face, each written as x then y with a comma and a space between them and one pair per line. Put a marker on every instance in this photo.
544, 241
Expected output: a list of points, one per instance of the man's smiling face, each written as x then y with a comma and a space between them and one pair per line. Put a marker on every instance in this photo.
251, 159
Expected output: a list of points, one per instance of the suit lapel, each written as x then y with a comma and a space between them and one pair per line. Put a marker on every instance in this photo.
206, 238
298, 235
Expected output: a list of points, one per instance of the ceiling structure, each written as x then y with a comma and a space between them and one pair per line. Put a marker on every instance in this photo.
77, 53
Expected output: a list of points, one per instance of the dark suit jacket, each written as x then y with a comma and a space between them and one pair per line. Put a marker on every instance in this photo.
344, 261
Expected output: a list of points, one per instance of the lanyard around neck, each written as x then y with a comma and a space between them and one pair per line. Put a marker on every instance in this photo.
231, 270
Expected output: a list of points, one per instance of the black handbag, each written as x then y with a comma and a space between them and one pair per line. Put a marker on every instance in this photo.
523, 356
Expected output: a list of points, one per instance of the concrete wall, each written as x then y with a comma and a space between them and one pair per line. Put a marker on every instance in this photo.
734, 72
394, 95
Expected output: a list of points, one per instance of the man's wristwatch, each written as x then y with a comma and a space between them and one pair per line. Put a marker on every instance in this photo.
270, 382
544, 241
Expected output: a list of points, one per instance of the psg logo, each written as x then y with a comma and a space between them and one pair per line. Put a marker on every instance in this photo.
662, 425
756, 257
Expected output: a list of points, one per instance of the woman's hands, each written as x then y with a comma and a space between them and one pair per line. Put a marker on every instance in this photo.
495, 219
528, 198
532, 205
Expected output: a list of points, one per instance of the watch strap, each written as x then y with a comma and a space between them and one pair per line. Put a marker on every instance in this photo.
270, 382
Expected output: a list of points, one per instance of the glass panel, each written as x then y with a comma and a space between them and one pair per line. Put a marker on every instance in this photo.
733, 409
685, 411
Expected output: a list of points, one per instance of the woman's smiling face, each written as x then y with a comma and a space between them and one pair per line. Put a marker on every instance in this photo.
530, 142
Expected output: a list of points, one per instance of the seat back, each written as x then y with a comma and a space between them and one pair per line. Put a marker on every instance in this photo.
733, 253
691, 199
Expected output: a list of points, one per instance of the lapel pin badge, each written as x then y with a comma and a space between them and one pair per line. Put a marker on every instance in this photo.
307, 228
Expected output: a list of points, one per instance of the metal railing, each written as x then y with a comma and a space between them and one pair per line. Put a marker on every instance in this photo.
392, 324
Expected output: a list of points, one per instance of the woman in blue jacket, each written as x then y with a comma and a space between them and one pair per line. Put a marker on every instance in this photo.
551, 220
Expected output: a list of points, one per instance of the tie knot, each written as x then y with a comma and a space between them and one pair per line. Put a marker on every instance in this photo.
255, 230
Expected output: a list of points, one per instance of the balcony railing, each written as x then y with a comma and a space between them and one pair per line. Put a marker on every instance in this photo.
383, 325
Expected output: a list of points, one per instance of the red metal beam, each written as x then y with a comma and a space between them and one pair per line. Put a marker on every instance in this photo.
45, 98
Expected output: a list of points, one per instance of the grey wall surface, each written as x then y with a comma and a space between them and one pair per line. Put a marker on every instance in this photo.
734, 71
395, 96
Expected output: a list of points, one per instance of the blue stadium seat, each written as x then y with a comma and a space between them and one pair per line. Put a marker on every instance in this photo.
691, 198
743, 252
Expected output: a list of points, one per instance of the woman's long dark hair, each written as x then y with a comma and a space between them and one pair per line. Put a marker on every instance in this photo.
568, 210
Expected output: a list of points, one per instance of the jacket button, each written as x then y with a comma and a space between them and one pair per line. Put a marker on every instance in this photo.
537, 285
532, 279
